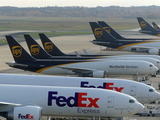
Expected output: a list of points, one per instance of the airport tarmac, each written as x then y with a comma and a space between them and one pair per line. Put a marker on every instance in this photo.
69, 44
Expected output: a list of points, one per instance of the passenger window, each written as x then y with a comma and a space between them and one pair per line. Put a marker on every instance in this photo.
157, 61
151, 90
151, 65
131, 101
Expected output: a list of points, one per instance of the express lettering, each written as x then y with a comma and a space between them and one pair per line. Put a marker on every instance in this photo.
73, 101
104, 86
27, 116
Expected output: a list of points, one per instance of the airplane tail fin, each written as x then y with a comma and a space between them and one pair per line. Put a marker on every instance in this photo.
155, 25
101, 34
35, 49
49, 46
110, 30
145, 25
18, 52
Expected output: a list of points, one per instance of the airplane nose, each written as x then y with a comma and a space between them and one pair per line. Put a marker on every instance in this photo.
158, 96
141, 107
155, 69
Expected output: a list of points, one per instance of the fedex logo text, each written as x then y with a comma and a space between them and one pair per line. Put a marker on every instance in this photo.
78, 100
104, 86
27, 116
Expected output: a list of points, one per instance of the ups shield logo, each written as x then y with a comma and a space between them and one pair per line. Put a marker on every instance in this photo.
48, 46
98, 32
17, 51
155, 26
143, 24
107, 29
34, 49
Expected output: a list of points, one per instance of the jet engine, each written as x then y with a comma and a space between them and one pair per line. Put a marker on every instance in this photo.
24, 112
98, 74
153, 51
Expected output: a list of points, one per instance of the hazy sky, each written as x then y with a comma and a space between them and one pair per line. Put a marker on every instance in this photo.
86, 3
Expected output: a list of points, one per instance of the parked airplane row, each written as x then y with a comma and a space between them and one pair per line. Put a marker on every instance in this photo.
87, 66
147, 28
35, 96
112, 39
31, 96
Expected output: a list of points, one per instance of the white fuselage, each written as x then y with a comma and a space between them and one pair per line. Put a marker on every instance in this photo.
113, 67
154, 61
70, 101
143, 46
152, 56
142, 92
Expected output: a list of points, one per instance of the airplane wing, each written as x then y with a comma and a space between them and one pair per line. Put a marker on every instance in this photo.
16, 64
80, 71
141, 47
6, 103
77, 54
85, 52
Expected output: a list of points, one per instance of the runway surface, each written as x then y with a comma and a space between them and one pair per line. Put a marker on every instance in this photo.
69, 44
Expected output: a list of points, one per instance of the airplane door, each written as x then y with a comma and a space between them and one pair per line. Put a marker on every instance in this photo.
133, 91
110, 102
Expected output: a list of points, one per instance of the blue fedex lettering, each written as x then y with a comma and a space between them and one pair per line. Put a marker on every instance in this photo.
27, 116
105, 86
77, 100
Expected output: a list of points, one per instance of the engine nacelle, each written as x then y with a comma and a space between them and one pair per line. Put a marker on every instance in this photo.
25, 113
153, 51
98, 74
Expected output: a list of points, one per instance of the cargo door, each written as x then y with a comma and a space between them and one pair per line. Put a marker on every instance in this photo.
110, 102
133, 91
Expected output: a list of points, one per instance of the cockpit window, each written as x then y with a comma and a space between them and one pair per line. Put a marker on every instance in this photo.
151, 90
150, 65
131, 101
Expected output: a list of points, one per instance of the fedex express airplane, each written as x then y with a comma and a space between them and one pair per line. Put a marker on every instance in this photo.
31, 102
83, 68
142, 92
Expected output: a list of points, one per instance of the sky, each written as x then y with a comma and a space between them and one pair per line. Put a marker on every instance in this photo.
85, 3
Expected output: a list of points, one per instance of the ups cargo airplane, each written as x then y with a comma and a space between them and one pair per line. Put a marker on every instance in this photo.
142, 92
43, 55
39, 53
53, 50
104, 38
117, 35
147, 28
46, 41
31, 102
85, 68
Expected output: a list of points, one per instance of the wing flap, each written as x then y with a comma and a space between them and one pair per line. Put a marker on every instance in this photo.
78, 70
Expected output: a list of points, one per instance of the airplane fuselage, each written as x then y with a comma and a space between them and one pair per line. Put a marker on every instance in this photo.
143, 93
